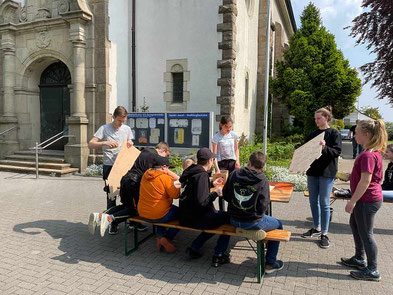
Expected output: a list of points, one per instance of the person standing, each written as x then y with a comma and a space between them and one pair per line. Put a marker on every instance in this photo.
356, 148
110, 138
321, 175
365, 183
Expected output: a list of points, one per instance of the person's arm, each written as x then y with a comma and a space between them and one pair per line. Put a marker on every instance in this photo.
264, 198
173, 175
334, 148
227, 189
204, 197
172, 191
365, 180
130, 143
95, 143
214, 146
237, 165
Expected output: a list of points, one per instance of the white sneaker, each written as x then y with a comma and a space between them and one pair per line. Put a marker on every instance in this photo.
104, 224
94, 219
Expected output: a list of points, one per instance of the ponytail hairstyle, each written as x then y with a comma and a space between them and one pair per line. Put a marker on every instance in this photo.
378, 133
225, 120
326, 112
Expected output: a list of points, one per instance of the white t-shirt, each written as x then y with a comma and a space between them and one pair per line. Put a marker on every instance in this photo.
225, 145
108, 133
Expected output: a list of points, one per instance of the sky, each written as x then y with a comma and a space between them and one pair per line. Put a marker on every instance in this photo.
337, 14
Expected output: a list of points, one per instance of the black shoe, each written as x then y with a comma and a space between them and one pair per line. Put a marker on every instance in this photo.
276, 266
366, 275
311, 233
324, 242
193, 254
138, 226
113, 229
353, 262
220, 259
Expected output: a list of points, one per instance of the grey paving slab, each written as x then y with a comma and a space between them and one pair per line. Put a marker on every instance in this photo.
46, 249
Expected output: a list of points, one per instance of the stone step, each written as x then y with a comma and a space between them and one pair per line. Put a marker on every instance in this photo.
58, 166
46, 153
32, 158
20, 169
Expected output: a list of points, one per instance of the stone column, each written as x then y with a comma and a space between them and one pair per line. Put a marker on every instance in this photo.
76, 151
9, 141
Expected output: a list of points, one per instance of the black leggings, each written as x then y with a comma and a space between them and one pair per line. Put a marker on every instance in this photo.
121, 213
362, 225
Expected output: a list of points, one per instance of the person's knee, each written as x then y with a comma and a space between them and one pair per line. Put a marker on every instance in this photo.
279, 224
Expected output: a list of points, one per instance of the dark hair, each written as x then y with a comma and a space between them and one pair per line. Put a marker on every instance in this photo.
120, 112
325, 111
225, 120
203, 162
258, 159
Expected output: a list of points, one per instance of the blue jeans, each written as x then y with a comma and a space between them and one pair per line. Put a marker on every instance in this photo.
387, 195
267, 223
209, 221
320, 188
168, 233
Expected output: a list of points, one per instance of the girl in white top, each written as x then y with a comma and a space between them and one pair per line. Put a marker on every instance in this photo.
225, 145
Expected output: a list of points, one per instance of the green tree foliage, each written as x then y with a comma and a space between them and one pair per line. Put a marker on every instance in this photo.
371, 112
314, 73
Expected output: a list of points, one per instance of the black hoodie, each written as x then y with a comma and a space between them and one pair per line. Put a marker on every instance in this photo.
248, 195
196, 201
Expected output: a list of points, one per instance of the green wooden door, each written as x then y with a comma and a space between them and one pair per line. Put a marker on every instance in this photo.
54, 102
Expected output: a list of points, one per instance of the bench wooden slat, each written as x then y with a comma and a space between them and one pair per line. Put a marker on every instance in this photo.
226, 229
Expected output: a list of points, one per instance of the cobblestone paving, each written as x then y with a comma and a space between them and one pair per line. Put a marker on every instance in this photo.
46, 249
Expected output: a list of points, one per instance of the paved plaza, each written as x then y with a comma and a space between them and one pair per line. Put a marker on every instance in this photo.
46, 249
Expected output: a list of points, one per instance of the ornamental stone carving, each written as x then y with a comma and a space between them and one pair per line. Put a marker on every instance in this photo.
43, 39
43, 13
64, 6
23, 15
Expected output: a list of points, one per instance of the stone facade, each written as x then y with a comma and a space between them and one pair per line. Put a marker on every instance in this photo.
32, 38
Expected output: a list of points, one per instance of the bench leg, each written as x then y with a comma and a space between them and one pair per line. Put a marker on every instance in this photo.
136, 240
261, 263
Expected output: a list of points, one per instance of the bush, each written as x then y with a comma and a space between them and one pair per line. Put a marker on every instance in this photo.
390, 134
176, 164
281, 174
276, 151
94, 170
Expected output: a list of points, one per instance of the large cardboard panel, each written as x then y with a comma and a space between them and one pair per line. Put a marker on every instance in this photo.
124, 161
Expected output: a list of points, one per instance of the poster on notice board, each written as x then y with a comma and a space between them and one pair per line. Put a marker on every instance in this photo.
148, 128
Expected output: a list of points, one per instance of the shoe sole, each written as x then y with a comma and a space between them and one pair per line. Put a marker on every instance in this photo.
366, 279
273, 270
255, 235
91, 226
104, 224
312, 236
167, 245
352, 265
323, 247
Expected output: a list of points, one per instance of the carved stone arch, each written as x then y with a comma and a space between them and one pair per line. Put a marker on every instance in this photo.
9, 11
177, 69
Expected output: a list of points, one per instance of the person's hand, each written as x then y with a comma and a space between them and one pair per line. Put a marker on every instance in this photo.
322, 143
111, 144
177, 184
129, 143
237, 165
219, 191
349, 207
218, 181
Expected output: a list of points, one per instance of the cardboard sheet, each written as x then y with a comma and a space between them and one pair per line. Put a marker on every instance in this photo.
124, 161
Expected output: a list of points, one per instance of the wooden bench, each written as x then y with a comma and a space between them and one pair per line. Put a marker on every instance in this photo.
227, 229
333, 198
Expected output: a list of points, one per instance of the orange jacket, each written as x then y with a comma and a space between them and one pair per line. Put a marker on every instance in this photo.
156, 194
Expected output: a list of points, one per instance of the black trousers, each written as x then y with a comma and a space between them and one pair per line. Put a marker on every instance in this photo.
229, 165
362, 225
105, 173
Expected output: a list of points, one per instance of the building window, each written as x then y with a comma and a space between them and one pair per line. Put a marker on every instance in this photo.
177, 87
246, 87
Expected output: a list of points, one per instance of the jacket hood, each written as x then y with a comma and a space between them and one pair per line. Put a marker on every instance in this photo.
249, 176
152, 174
191, 171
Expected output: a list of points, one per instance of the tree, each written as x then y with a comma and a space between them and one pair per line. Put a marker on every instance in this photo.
374, 26
371, 112
314, 73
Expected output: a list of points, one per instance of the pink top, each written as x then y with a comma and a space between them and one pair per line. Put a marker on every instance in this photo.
370, 162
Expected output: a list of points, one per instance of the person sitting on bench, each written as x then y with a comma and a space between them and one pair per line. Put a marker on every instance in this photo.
197, 208
155, 201
248, 195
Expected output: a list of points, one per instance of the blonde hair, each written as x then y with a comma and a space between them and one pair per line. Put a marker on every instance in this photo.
325, 111
378, 133
187, 163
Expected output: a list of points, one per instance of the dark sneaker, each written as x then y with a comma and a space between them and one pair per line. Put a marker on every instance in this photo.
138, 226
220, 259
324, 242
193, 254
113, 229
311, 233
276, 266
366, 275
353, 262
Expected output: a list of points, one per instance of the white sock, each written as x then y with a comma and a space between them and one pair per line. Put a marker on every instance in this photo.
318, 228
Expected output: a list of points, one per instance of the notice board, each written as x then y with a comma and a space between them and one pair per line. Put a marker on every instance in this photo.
189, 130
148, 128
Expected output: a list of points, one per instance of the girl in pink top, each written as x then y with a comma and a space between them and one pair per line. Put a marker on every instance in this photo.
365, 182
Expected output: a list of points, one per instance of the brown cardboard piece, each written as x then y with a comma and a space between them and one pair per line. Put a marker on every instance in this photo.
223, 173
124, 161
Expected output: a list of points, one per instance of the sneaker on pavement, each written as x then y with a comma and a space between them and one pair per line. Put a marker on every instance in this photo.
353, 262
104, 224
324, 242
311, 233
113, 229
193, 254
94, 219
366, 275
276, 266
255, 235
220, 259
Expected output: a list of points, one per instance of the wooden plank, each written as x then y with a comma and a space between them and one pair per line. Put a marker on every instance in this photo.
282, 191
226, 229
124, 161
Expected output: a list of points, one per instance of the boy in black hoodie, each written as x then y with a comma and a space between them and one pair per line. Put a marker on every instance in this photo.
197, 209
248, 195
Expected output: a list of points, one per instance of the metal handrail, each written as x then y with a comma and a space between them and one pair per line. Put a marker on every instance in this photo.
8, 130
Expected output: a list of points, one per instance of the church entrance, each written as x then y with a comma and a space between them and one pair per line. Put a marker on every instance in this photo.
54, 102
